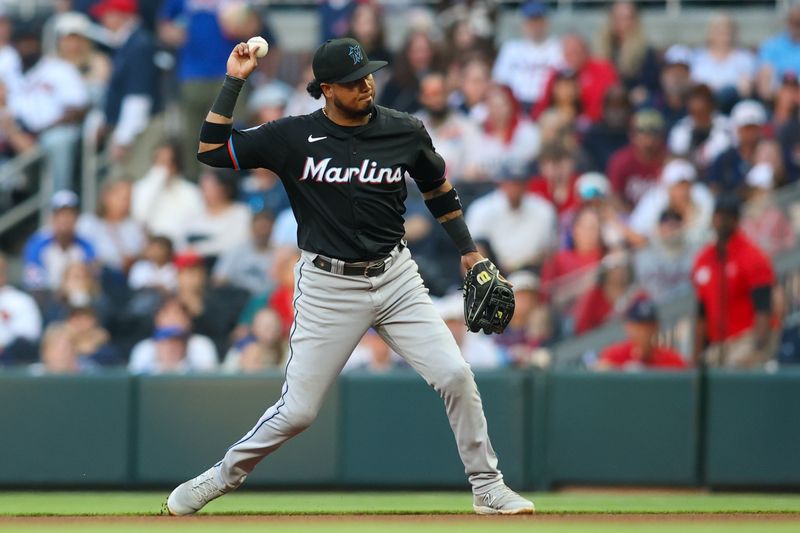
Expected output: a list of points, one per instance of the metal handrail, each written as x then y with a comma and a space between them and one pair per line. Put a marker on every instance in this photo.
10, 175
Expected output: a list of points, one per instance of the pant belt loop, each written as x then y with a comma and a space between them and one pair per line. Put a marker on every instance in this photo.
337, 266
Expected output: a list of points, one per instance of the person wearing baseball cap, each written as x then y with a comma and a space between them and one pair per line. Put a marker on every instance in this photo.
524, 64
50, 250
734, 280
762, 219
341, 62
133, 100
675, 83
641, 349
679, 190
635, 169
729, 170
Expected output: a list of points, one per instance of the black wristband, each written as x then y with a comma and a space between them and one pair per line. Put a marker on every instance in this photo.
457, 229
226, 99
444, 204
213, 133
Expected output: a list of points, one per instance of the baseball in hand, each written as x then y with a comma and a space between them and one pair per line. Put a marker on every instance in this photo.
260, 44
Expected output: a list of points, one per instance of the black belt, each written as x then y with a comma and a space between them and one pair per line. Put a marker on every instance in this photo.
361, 268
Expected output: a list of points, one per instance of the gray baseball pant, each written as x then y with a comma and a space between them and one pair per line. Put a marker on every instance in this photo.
332, 313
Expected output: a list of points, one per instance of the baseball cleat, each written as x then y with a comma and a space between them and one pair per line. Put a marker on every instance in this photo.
193, 495
501, 500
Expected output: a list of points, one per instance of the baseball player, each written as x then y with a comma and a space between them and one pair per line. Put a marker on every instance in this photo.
344, 169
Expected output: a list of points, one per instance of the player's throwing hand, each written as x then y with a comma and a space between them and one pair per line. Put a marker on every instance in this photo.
242, 61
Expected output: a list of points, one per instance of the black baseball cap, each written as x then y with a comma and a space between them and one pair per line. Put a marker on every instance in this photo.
342, 61
642, 310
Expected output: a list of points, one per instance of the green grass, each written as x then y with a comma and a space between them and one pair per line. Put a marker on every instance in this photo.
277, 503
110, 504
494, 525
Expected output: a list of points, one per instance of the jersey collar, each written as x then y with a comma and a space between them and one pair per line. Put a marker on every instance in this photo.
345, 132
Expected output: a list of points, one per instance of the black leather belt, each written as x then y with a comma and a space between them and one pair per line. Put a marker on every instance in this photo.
360, 268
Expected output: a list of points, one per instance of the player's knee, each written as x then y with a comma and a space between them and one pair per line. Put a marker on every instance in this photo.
301, 418
457, 380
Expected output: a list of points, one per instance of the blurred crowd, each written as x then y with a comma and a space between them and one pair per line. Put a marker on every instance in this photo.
604, 176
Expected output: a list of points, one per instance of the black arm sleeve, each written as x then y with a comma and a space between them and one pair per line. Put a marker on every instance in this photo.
428, 170
762, 299
218, 157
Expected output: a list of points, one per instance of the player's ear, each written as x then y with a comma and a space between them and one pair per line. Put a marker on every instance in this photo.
327, 89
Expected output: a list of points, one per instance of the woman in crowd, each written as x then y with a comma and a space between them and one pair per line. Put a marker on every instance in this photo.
610, 295
418, 56
508, 138
74, 32
224, 223
79, 288
117, 238
263, 348
367, 27
726, 68
585, 250
623, 42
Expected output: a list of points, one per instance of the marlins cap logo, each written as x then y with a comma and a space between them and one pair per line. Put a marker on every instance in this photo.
355, 54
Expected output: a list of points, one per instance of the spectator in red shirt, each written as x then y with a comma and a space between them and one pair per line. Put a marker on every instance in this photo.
594, 76
557, 176
641, 350
609, 297
634, 169
734, 282
585, 248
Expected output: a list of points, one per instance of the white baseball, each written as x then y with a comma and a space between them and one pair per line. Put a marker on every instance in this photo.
260, 44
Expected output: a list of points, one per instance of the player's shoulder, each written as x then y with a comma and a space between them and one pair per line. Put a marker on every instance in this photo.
398, 121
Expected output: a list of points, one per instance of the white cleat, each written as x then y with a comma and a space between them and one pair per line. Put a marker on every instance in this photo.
193, 495
501, 500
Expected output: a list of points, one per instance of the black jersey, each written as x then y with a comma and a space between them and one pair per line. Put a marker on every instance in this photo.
346, 185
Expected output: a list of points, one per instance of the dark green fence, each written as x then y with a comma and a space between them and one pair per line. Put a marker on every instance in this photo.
549, 429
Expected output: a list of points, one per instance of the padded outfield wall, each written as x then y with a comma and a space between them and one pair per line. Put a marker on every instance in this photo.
726, 429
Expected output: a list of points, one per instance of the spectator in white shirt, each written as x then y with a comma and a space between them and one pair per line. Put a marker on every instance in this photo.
678, 190
451, 131
163, 200
508, 138
10, 64
173, 348
20, 319
730, 71
50, 101
224, 224
703, 134
117, 238
515, 227
75, 33
155, 270
525, 64
248, 266
477, 349
470, 97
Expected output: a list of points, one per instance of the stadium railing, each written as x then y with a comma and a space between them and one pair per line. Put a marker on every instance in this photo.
677, 314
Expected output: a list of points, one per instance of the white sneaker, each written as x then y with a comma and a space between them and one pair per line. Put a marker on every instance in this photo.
501, 500
193, 495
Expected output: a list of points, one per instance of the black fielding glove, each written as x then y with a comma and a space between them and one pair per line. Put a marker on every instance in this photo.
488, 299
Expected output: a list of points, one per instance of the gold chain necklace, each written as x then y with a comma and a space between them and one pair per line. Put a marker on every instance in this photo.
369, 117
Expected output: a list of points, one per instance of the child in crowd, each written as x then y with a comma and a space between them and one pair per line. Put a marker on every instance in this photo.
156, 269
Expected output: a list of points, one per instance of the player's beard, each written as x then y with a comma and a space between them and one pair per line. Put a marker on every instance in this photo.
353, 112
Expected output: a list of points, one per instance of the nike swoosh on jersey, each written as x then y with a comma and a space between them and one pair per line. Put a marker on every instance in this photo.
313, 139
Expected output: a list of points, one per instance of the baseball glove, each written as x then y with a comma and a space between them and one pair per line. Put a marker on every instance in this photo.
488, 299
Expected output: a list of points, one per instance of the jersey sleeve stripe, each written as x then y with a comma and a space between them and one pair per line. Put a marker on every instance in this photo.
232, 153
